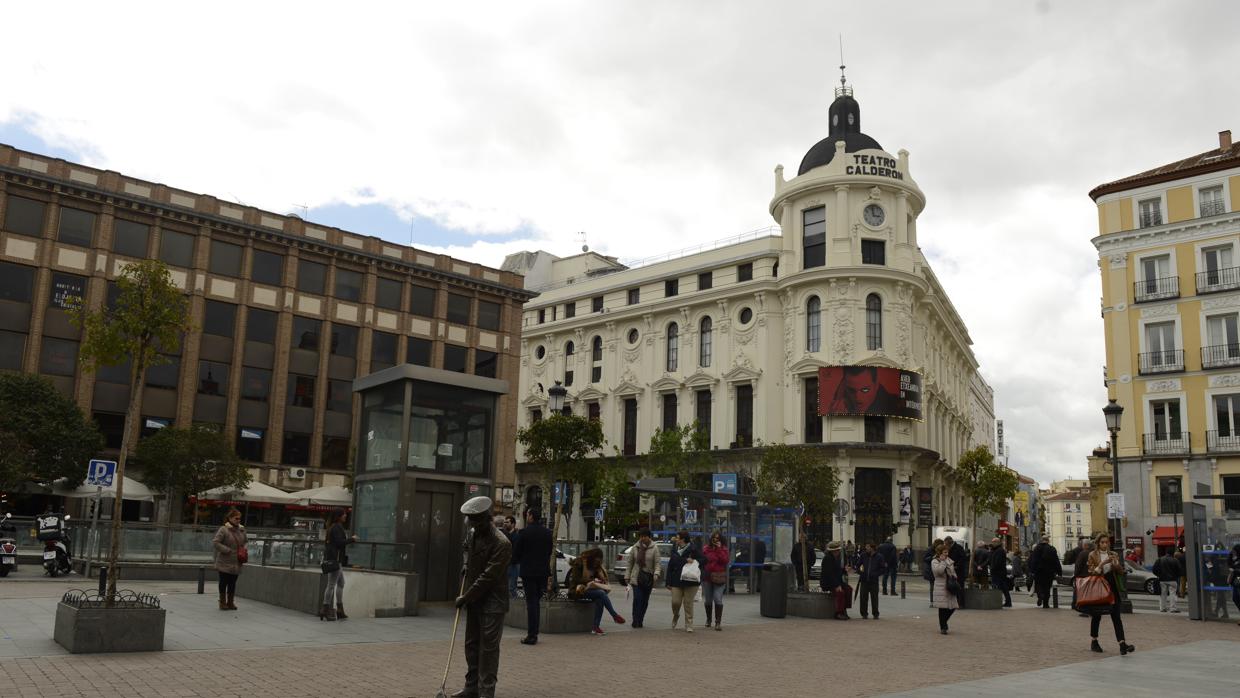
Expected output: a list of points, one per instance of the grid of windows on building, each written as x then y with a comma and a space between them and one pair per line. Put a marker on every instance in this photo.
744, 272
311, 277
873, 252
130, 238
348, 285
24, 216
255, 383
306, 332
339, 395
813, 421
669, 411
344, 340
300, 391
267, 268
76, 227
225, 258
459, 308
388, 293
382, 350
418, 351
176, 249
422, 301
455, 358
212, 378
486, 363
489, 315
260, 326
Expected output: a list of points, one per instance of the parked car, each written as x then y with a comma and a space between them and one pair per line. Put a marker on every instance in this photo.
1135, 579
562, 564
620, 567
815, 571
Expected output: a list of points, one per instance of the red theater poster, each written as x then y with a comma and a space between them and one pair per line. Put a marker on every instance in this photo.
869, 390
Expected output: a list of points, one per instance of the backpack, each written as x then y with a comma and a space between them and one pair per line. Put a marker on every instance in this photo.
926, 573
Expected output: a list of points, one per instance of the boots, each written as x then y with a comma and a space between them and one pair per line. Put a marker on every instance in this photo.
718, 617
1125, 648
231, 606
1094, 646
708, 612
324, 611
223, 602
340, 612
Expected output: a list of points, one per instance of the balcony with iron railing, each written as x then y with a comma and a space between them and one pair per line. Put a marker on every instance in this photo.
1223, 441
1220, 355
1217, 280
1168, 361
1167, 443
1156, 289
1212, 208
1149, 220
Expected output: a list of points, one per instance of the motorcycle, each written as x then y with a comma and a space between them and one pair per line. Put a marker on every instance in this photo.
8, 546
56, 557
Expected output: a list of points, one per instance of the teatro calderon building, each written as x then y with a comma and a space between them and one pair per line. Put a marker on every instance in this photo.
828, 329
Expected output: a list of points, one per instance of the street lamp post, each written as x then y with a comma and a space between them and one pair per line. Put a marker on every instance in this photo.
1173, 486
1113, 413
555, 398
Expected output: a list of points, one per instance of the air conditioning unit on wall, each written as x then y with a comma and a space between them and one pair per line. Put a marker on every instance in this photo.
297, 473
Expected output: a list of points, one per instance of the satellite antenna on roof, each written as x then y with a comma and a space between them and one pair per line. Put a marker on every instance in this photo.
584, 246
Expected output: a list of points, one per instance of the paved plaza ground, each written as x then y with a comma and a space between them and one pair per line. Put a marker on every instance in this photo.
263, 650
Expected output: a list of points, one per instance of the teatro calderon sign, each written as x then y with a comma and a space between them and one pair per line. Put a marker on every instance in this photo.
873, 165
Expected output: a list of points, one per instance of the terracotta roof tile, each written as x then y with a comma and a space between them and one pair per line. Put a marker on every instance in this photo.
1209, 161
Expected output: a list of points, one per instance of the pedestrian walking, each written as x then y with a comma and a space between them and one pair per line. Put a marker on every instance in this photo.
907, 558
1104, 562
1018, 570
230, 555
927, 572
1233, 565
533, 555
684, 576
334, 554
960, 559
715, 578
1179, 555
833, 580
644, 570
587, 581
997, 565
1219, 576
509, 527
485, 599
798, 568
1045, 566
946, 584
871, 567
1080, 569
888, 550
1167, 569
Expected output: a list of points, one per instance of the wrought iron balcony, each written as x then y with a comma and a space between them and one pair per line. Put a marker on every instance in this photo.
1149, 220
1219, 355
1212, 208
1169, 361
1156, 289
1167, 443
1225, 442
1218, 280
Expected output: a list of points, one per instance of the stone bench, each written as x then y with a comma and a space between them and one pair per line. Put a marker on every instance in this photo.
556, 616
367, 594
809, 604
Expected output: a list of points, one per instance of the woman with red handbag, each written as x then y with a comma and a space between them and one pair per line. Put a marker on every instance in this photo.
230, 555
715, 578
1099, 593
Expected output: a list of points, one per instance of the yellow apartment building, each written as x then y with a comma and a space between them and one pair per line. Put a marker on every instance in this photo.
1169, 255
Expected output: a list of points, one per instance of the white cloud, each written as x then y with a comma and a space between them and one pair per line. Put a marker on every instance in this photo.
654, 126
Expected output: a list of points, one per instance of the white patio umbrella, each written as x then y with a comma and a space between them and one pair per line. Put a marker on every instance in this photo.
134, 491
254, 492
332, 496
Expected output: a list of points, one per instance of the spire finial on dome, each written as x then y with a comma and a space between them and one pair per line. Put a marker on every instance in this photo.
843, 90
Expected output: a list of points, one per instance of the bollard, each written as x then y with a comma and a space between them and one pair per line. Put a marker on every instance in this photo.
103, 580
903, 589
202, 579
1055, 597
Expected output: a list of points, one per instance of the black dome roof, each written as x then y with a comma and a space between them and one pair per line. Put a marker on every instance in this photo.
845, 122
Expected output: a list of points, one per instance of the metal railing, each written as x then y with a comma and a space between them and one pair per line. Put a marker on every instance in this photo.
1213, 207
1156, 289
1216, 280
1167, 443
1169, 361
1222, 443
1149, 220
1217, 355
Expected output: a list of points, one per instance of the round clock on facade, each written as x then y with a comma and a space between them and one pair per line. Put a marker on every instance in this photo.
874, 215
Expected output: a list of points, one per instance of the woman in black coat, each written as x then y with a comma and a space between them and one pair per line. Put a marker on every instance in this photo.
683, 590
337, 541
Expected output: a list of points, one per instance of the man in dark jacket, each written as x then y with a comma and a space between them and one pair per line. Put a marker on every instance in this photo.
532, 554
1168, 571
871, 567
802, 572
832, 580
1045, 566
998, 571
485, 599
960, 560
888, 550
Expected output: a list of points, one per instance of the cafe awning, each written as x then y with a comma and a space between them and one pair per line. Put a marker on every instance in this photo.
332, 496
133, 491
254, 492
1167, 535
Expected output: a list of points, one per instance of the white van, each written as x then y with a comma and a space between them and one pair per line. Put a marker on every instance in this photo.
959, 534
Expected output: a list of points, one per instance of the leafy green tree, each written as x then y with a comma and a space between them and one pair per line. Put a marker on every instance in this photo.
681, 452
562, 446
43, 435
150, 313
190, 461
988, 484
615, 489
794, 476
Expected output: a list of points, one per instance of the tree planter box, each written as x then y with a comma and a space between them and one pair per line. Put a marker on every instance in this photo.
85, 626
808, 604
983, 599
554, 617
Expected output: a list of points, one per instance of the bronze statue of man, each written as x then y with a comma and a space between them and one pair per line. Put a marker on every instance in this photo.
485, 599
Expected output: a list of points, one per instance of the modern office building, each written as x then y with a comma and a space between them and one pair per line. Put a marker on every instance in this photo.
286, 315
827, 329
1170, 269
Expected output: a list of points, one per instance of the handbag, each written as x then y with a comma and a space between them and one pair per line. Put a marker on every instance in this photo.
645, 578
691, 572
243, 556
1093, 591
329, 566
718, 578
952, 585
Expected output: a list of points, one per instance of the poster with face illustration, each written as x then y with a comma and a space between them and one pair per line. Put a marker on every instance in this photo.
869, 391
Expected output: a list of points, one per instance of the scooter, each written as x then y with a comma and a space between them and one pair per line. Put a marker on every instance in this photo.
8, 546
56, 557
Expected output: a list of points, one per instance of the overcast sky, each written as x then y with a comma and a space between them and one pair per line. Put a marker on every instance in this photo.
656, 125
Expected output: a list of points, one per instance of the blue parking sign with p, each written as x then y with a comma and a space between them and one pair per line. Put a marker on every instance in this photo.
724, 482
101, 473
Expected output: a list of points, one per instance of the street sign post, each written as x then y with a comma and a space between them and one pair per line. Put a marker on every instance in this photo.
1115, 505
101, 474
723, 482
691, 516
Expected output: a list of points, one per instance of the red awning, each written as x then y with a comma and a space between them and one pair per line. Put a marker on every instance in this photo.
1167, 535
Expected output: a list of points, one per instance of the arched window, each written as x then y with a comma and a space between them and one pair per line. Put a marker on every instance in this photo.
673, 347
707, 343
596, 360
813, 324
596, 349
568, 349
873, 322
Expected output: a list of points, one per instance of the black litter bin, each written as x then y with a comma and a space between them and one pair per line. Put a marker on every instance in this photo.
774, 599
